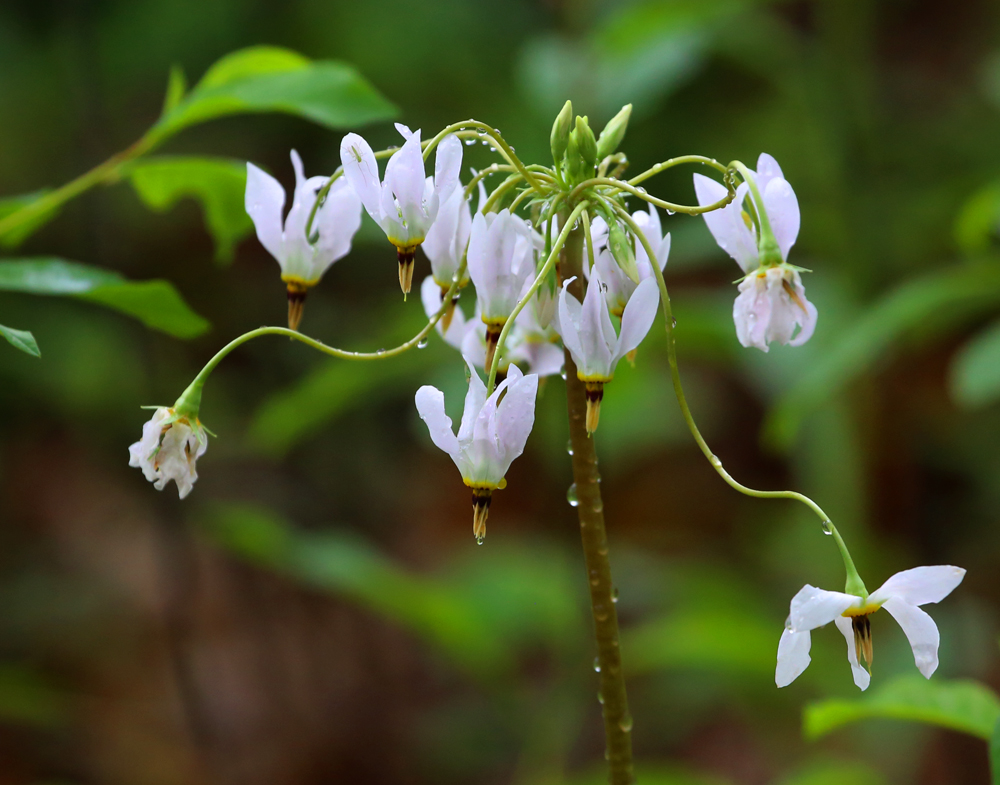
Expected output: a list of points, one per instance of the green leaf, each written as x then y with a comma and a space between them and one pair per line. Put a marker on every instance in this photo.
157, 304
995, 754
176, 87
975, 371
966, 706
270, 79
19, 233
835, 774
923, 307
336, 562
21, 339
218, 184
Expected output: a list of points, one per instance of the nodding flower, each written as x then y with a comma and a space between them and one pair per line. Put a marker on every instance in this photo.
493, 433
772, 300
404, 204
303, 259
170, 446
901, 596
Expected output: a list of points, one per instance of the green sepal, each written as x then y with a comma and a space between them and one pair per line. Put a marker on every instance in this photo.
587, 143
622, 251
559, 138
613, 133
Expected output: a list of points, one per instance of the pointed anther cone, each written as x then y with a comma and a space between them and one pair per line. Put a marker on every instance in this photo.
449, 313
405, 256
595, 393
481, 498
492, 337
863, 640
296, 304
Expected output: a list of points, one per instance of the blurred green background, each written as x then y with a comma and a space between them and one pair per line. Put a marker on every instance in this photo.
317, 610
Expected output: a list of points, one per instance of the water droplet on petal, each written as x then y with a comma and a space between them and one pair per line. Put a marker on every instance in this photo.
571, 496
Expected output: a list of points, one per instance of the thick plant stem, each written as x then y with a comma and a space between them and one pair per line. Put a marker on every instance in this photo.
590, 509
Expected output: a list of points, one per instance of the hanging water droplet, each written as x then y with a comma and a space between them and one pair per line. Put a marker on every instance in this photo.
673, 321
714, 460
571, 496
569, 447
563, 375
826, 527
597, 664
470, 141
601, 610
671, 212
422, 343
626, 723
600, 698
480, 539
614, 594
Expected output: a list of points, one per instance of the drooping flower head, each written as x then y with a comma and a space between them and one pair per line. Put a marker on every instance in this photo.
493, 433
405, 204
501, 258
901, 596
589, 334
169, 447
772, 299
334, 225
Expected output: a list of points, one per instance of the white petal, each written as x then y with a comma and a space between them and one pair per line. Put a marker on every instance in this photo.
337, 221
638, 317
921, 632
812, 607
783, 213
597, 333
569, 322
361, 171
861, 677
475, 399
430, 407
264, 201
752, 312
727, 225
404, 174
807, 322
793, 656
767, 170
447, 165
920, 585
516, 413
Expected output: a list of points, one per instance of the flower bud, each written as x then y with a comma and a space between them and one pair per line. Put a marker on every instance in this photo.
559, 138
586, 142
613, 133
622, 251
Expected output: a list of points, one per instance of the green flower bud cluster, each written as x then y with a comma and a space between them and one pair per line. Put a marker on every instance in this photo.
576, 151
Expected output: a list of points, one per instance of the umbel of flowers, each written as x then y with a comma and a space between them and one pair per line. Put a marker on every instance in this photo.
567, 279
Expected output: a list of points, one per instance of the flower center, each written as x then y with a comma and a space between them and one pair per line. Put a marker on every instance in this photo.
863, 639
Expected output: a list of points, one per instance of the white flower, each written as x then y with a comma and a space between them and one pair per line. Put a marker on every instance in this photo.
493, 433
771, 302
169, 447
448, 237
335, 224
405, 204
501, 258
901, 595
589, 335
618, 286
772, 299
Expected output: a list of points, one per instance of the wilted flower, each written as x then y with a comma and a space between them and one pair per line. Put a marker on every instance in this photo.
302, 262
493, 433
501, 258
169, 447
404, 204
770, 303
900, 595
588, 333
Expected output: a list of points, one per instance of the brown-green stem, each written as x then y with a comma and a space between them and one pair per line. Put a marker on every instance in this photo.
590, 509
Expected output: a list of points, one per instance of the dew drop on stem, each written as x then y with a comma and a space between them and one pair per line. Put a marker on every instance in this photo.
571, 496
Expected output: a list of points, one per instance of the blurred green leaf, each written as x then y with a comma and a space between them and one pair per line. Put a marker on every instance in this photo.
975, 371
720, 640
922, 308
651, 774
271, 79
176, 87
11, 204
966, 706
978, 221
337, 562
995, 754
21, 339
25, 698
218, 184
835, 774
157, 304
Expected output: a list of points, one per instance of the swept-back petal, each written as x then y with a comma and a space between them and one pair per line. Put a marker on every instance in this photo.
338, 220
361, 171
783, 212
767, 170
569, 322
264, 201
793, 656
516, 413
447, 165
812, 607
638, 317
861, 677
920, 585
404, 174
727, 225
597, 333
921, 632
475, 398
430, 407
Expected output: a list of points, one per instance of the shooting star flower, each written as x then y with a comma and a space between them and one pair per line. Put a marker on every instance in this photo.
169, 447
